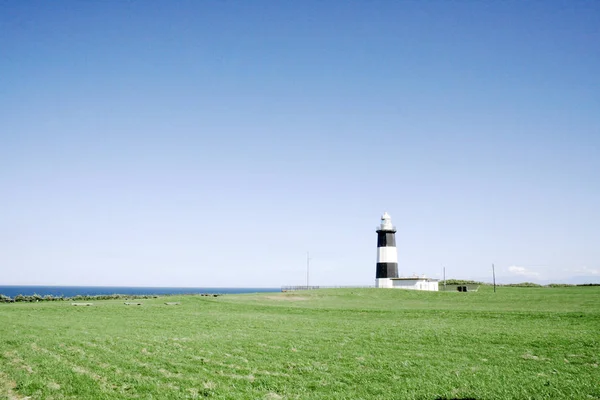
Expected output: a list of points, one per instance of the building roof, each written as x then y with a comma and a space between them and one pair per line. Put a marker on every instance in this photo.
414, 278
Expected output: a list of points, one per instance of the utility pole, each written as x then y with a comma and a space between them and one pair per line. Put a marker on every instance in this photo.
307, 268
444, 279
494, 275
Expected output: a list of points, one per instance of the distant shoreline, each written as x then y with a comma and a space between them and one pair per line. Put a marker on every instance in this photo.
71, 291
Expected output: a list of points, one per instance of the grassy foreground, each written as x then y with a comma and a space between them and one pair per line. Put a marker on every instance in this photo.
519, 343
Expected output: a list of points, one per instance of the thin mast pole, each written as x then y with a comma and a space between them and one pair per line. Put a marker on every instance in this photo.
444, 279
307, 268
494, 275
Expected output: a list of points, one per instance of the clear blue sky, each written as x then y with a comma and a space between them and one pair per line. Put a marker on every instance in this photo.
213, 143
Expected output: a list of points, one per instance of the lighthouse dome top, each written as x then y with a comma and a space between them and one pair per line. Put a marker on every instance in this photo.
386, 223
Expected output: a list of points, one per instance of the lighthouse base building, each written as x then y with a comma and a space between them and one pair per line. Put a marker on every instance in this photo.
414, 283
386, 275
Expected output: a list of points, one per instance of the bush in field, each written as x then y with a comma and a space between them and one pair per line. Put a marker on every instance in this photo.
19, 298
5, 299
523, 284
79, 297
460, 282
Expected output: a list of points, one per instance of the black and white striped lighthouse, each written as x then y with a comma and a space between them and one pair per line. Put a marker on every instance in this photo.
387, 255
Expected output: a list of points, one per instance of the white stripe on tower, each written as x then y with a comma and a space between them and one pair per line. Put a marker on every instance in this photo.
387, 255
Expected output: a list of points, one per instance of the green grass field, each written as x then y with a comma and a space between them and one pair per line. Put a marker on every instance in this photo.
519, 343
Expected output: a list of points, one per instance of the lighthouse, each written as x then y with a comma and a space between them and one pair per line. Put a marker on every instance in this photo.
387, 255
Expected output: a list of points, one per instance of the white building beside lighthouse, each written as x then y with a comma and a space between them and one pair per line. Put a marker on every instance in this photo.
386, 275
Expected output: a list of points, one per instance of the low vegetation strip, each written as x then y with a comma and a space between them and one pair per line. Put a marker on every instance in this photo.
519, 343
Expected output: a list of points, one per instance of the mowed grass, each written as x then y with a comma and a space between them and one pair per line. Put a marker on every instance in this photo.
518, 343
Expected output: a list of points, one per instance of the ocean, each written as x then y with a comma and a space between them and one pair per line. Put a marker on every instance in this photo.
71, 291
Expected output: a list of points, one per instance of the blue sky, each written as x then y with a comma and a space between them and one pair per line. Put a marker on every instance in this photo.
214, 143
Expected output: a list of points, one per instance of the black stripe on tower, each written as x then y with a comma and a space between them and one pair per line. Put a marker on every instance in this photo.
386, 239
387, 270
